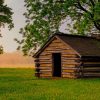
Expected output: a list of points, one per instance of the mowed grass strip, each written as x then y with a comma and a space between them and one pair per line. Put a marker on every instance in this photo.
20, 84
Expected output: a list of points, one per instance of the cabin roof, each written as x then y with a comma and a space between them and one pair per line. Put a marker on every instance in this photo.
84, 45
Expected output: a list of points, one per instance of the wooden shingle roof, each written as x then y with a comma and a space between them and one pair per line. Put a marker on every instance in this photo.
85, 46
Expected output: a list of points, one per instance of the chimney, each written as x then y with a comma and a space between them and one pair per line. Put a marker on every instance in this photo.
96, 35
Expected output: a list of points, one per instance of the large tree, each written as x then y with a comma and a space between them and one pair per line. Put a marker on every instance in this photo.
5, 17
44, 17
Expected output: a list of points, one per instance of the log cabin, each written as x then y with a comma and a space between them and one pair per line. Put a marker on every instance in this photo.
68, 56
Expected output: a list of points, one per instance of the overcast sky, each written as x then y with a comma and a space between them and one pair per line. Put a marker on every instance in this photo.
19, 21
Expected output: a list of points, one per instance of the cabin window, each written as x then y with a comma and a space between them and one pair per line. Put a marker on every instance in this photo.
56, 63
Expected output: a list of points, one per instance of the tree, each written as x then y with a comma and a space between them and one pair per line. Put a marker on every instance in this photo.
1, 50
44, 18
5, 18
5, 15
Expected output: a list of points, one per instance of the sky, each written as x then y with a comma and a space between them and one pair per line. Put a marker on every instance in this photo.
7, 40
19, 21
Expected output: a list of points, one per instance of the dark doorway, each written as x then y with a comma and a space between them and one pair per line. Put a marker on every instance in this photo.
56, 64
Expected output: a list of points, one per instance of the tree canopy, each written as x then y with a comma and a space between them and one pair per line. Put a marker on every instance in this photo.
5, 15
5, 18
44, 17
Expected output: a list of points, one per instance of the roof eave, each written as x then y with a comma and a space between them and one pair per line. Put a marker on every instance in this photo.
70, 46
44, 46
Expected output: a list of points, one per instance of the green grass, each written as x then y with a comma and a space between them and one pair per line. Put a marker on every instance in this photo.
20, 84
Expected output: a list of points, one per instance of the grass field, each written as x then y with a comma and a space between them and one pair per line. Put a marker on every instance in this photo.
20, 84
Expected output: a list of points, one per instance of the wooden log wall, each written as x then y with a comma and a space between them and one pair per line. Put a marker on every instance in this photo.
91, 67
69, 60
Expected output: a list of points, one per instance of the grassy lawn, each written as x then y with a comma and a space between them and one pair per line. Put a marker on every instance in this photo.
20, 84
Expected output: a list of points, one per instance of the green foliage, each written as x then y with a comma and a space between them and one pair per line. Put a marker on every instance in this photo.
5, 18
44, 18
1, 50
5, 15
20, 84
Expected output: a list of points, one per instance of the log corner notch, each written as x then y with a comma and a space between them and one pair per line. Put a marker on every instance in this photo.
37, 67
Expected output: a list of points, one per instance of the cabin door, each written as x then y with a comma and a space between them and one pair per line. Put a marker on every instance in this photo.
56, 57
